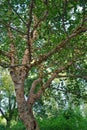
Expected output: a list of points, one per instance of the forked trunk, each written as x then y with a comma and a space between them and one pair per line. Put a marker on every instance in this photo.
24, 108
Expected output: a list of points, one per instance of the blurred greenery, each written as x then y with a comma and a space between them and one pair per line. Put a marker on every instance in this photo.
65, 120
8, 105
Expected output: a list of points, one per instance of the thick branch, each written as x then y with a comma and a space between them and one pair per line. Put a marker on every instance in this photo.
53, 76
25, 59
31, 97
59, 46
34, 84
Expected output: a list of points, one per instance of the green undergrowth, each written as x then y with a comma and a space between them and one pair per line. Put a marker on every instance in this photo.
65, 121
61, 123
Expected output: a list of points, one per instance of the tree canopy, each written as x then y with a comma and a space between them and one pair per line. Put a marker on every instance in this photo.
42, 40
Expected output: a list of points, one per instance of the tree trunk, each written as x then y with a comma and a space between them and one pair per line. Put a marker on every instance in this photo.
25, 109
30, 122
8, 123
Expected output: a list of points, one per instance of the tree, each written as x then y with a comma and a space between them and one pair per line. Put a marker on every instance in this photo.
40, 39
8, 106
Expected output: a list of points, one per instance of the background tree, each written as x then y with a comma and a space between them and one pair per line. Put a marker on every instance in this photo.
41, 39
8, 106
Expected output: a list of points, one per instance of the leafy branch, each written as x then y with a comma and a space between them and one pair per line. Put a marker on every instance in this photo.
60, 46
16, 13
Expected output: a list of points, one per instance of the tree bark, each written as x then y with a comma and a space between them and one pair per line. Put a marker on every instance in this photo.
24, 107
25, 110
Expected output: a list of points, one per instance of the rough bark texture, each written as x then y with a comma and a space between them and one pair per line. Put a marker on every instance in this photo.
25, 110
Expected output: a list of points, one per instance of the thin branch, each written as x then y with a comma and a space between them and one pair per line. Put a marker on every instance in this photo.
73, 76
17, 13
13, 28
29, 27
3, 114
17, 30
63, 17
38, 23
5, 65
14, 105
